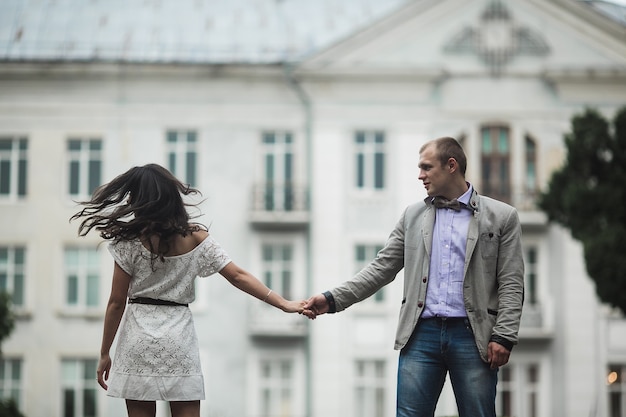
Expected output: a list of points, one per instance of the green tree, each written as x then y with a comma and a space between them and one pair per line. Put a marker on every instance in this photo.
587, 195
8, 408
6, 316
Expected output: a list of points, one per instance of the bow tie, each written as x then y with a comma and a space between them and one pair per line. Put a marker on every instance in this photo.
440, 202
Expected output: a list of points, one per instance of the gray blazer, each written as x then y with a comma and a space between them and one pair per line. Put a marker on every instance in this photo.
493, 274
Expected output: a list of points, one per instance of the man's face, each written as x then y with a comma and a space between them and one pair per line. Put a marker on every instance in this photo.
435, 177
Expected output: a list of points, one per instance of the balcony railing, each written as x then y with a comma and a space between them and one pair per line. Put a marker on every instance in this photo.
279, 206
267, 321
536, 322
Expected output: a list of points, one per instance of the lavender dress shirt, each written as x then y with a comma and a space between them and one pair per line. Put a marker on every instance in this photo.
444, 294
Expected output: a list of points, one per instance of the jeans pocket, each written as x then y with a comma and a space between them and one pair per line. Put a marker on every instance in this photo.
468, 326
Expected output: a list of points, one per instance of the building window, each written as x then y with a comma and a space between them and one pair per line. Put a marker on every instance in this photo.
79, 387
363, 255
277, 388
369, 388
616, 381
278, 268
496, 166
518, 390
12, 273
182, 155
11, 380
370, 159
530, 270
13, 167
82, 266
531, 166
279, 189
85, 166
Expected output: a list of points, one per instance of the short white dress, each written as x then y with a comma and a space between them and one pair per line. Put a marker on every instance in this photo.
157, 355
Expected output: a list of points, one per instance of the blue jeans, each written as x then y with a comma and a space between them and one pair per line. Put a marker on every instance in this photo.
439, 346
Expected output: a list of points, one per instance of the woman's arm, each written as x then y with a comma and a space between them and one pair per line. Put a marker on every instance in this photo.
112, 318
248, 283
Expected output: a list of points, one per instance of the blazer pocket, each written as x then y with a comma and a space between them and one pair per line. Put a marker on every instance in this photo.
489, 243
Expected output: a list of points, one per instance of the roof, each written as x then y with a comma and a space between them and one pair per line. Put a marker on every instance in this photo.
189, 31
194, 31
613, 10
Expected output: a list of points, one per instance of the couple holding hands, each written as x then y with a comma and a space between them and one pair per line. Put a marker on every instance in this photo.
463, 288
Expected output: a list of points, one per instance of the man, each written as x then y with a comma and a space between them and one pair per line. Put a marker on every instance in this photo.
463, 288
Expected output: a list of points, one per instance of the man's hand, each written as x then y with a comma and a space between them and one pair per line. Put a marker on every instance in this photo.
316, 305
497, 355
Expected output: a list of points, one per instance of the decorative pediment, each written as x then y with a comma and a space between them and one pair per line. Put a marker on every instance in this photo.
497, 39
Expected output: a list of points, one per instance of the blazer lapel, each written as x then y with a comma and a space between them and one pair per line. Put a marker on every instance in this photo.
428, 225
472, 232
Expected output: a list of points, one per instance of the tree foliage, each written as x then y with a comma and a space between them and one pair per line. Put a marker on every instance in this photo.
8, 407
6, 316
587, 195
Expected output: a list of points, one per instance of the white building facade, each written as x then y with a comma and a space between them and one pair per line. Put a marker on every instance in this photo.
305, 165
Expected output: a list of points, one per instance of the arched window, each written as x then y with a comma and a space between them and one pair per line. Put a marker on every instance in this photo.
496, 162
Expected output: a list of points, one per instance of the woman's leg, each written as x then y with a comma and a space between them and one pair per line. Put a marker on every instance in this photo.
185, 408
141, 408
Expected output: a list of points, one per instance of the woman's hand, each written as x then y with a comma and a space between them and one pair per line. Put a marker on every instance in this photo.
298, 307
294, 306
104, 366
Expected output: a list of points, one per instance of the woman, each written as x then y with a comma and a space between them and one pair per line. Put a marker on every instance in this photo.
158, 253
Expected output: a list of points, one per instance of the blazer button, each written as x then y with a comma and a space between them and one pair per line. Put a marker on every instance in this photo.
424, 279
420, 304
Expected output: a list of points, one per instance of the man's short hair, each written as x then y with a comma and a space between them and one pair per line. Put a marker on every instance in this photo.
446, 148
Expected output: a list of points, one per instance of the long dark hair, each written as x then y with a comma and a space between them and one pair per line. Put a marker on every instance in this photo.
142, 203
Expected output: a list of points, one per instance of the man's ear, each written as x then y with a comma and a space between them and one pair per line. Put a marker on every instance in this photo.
452, 164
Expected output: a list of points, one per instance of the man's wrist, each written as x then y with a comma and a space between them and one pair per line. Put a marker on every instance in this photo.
332, 307
502, 341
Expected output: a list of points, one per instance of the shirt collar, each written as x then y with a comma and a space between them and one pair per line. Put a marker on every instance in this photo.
467, 195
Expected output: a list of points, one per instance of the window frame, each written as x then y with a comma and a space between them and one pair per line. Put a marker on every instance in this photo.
497, 160
531, 149
80, 162
369, 252
369, 388
82, 275
370, 159
273, 270
13, 269
87, 382
16, 157
10, 384
278, 150
514, 379
616, 389
182, 150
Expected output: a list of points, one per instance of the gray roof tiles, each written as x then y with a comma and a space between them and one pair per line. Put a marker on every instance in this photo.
188, 31
203, 31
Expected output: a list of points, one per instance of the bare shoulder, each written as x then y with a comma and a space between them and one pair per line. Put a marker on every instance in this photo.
199, 235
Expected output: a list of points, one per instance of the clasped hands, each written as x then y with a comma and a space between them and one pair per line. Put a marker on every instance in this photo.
313, 307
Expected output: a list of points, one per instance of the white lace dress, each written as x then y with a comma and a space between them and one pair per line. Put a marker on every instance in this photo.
157, 356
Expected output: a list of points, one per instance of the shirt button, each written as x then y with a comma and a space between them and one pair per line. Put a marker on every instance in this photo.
420, 304
424, 279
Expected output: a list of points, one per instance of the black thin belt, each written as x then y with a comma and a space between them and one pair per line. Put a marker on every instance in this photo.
153, 301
